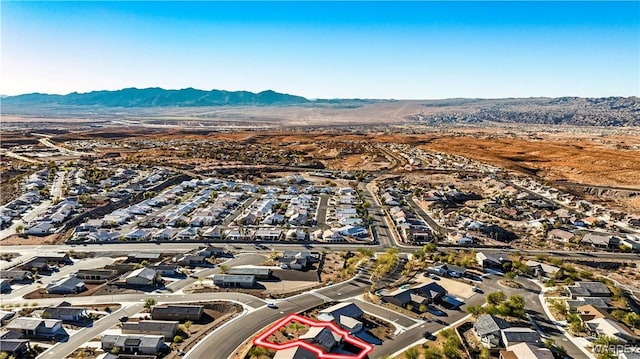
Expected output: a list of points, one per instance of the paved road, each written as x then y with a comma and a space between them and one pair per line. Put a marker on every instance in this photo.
173, 247
321, 221
62, 350
433, 224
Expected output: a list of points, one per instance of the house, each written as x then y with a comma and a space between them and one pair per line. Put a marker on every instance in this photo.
142, 277
96, 275
256, 271
165, 234
177, 312
588, 312
424, 293
488, 329
14, 348
296, 352
139, 257
353, 231
212, 233
297, 234
69, 285
334, 312
322, 337
40, 229
515, 335
54, 258
5, 286
632, 242
526, 351
450, 269
598, 302
36, 264
233, 280
192, 261
588, 289
16, 275
34, 327
5, 316
561, 235
297, 260
539, 269
65, 313
599, 240
608, 327
167, 270
138, 234
143, 344
268, 234
188, 234
493, 260
165, 328
213, 251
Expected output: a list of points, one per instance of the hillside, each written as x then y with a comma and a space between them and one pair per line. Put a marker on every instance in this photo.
574, 111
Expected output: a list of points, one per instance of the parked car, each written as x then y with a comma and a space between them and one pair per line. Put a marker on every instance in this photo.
272, 305
123, 319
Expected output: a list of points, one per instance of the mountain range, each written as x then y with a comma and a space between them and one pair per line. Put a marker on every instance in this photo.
157, 97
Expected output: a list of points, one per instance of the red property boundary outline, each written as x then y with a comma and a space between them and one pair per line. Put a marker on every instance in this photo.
261, 340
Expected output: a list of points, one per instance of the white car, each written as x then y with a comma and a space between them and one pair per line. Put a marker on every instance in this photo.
272, 305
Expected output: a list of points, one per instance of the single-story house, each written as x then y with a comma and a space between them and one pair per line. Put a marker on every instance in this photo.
493, 260
15, 348
488, 329
526, 351
450, 269
96, 275
539, 269
167, 329
65, 313
213, 251
69, 285
5, 316
233, 280
611, 328
561, 235
144, 344
15, 275
600, 240
5, 286
34, 327
334, 312
515, 335
589, 289
139, 257
138, 234
269, 234
167, 270
256, 271
296, 352
322, 337
192, 261
177, 312
142, 277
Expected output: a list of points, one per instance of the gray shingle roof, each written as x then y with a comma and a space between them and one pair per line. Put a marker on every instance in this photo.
487, 324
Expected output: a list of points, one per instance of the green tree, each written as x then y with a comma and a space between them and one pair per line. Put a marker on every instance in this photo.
485, 353
475, 310
496, 298
510, 275
432, 353
149, 302
177, 339
412, 353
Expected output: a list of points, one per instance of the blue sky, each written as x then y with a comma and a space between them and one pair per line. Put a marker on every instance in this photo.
409, 50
